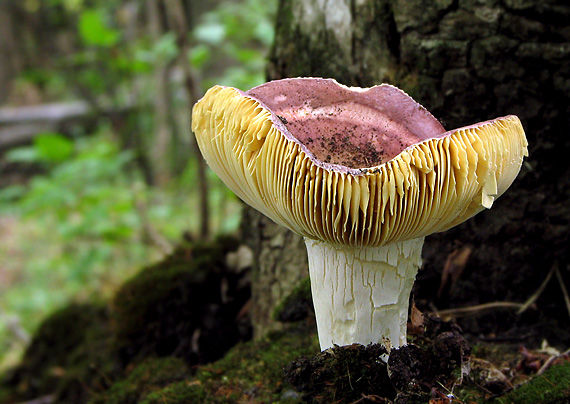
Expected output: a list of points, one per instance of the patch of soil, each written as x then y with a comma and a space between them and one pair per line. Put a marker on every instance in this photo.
357, 373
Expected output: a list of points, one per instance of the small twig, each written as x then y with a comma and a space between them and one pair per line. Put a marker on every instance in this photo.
536, 294
349, 381
506, 338
13, 325
550, 360
562, 286
41, 400
473, 310
373, 398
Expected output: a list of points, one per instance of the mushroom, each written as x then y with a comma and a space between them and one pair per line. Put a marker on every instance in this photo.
363, 175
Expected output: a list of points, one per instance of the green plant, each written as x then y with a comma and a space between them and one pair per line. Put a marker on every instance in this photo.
81, 224
78, 228
77, 223
226, 38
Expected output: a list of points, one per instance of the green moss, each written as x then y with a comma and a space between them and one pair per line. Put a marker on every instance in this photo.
297, 305
149, 376
80, 350
255, 369
251, 372
263, 358
68, 357
177, 393
552, 387
157, 311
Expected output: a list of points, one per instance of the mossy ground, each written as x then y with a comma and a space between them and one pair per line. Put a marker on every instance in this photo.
551, 387
176, 307
69, 356
251, 372
165, 339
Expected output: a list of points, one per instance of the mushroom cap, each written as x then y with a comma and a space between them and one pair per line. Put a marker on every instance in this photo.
353, 166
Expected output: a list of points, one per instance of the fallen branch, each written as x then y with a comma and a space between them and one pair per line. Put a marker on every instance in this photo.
15, 135
41, 400
551, 360
562, 286
477, 309
536, 294
54, 112
20, 125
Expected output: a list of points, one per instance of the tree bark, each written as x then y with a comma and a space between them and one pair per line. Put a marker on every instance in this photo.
465, 61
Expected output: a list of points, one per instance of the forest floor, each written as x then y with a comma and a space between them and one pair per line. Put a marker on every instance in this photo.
169, 336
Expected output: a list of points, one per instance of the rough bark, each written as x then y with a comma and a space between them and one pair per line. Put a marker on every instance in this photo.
280, 263
465, 61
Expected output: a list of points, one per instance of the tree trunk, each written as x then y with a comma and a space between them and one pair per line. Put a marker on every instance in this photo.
162, 103
465, 61
11, 58
181, 26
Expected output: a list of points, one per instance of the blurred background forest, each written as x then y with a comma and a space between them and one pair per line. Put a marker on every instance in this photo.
98, 170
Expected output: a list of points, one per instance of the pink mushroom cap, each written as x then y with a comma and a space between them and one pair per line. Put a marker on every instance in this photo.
351, 165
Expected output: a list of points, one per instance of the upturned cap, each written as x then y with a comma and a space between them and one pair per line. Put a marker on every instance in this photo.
350, 165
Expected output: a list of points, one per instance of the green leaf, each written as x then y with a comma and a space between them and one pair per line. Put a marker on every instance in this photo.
211, 32
11, 193
165, 48
53, 147
199, 55
127, 64
92, 79
249, 55
94, 31
24, 154
265, 32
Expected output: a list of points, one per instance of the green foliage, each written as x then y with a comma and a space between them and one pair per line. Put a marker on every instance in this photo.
86, 196
94, 31
80, 229
78, 226
227, 37
47, 148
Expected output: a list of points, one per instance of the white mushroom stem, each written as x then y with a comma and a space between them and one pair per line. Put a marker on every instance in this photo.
361, 294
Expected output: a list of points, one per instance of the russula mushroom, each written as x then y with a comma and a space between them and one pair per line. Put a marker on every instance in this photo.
363, 175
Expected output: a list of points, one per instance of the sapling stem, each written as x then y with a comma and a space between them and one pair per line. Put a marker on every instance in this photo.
361, 294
